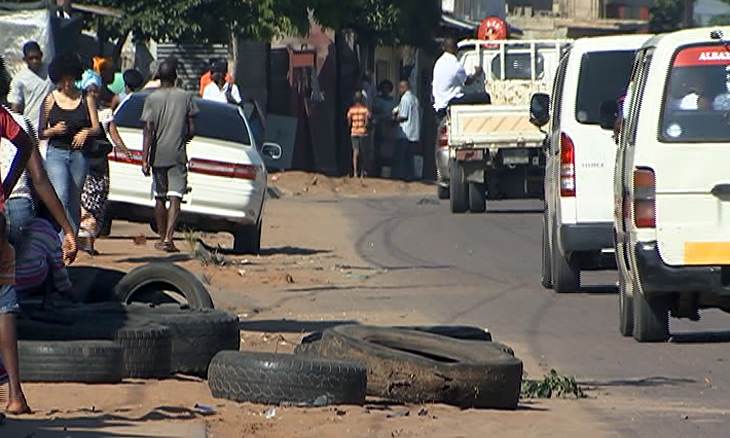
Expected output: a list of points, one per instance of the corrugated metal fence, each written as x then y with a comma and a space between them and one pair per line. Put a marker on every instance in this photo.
193, 59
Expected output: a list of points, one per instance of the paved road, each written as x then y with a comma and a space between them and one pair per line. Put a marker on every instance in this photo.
484, 270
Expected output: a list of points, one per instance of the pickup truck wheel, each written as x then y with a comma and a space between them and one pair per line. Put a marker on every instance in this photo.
247, 239
625, 308
546, 277
651, 317
442, 192
565, 271
459, 190
477, 198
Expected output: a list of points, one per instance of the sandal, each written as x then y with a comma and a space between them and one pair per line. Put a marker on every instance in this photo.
166, 247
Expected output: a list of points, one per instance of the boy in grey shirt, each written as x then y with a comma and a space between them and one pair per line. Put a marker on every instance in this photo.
168, 115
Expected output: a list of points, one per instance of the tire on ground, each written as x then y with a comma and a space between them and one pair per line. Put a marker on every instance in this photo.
277, 378
146, 347
70, 361
155, 277
411, 366
464, 332
197, 334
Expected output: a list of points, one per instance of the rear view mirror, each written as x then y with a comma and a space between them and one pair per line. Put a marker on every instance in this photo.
608, 114
271, 150
540, 109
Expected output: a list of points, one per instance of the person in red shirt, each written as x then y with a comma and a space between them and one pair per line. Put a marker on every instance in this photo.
358, 117
27, 158
207, 77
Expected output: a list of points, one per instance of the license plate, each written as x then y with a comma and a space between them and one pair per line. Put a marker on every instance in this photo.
516, 158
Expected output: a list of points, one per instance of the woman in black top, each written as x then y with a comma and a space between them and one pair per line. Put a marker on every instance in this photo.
69, 120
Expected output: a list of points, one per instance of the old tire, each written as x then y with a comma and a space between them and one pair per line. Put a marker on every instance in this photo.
546, 273
459, 189
145, 281
442, 192
70, 361
417, 367
247, 239
197, 335
651, 317
477, 198
565, 270
146, 347
625, 308
277, 378
464, 332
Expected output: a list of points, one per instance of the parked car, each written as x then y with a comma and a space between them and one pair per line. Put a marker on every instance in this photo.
227, 179
578, 219
672, 186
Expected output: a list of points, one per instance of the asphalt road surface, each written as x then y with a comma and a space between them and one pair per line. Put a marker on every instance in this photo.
484, 270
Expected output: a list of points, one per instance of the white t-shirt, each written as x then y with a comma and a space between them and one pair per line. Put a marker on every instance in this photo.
213, 92
7, 155
449, 78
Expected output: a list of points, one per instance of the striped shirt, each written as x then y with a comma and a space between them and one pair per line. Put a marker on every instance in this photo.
358, 116
42, 253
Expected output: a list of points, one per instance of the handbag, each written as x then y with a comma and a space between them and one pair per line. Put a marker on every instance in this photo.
96, 151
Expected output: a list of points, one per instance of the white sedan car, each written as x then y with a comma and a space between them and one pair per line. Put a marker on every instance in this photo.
226, 175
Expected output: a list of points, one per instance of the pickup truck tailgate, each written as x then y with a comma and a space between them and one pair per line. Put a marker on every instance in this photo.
487, 124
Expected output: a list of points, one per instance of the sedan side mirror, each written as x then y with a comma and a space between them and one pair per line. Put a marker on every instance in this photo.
608, 114
540, 109
271, 150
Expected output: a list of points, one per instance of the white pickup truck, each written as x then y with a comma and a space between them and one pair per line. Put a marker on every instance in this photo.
491, 150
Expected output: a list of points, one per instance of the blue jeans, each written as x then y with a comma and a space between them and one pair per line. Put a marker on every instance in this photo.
67, 171
18, 213
403, 154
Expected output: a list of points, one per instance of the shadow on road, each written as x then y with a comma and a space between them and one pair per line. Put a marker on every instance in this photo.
517, 211
292, 250
601, 289
641, 382
714, 337
175, 258
290, 326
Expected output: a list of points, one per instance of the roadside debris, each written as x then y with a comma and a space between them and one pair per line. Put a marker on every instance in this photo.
398, 414
270, 413
553, 385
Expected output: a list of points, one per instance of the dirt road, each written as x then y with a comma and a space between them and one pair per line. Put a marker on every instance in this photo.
406, 260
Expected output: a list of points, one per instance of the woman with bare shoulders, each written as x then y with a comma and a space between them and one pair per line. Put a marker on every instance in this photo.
69, 121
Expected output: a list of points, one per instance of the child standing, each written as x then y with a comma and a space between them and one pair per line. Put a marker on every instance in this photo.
358, 117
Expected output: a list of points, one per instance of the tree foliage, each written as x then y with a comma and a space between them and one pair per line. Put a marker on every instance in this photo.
383, 21
666, 16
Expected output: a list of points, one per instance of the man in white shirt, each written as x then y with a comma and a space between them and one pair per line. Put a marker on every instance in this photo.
408, 132
31, 85
450, 78
219, 90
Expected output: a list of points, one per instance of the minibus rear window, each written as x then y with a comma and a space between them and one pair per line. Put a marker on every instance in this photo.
696, 107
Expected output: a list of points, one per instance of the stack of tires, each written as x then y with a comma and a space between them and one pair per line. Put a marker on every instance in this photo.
453, 365
112, 337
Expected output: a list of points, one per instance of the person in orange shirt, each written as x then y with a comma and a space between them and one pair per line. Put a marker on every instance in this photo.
207, 77
358, 117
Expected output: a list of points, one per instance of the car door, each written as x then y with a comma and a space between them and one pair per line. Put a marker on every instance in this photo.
690, 159
604, 75
552, 150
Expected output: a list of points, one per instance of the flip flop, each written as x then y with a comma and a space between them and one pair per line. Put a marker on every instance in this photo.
168, 247
25, 411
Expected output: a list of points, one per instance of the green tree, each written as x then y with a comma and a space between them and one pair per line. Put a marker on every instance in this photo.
666, 16
720, 20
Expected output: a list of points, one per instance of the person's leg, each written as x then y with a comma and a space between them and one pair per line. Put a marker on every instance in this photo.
178, 184
410, 173
9, 350
18, 213
57, 167
398, 159
79, 169
355, 154
160, 183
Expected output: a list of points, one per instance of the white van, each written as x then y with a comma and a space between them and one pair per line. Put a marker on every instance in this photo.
672, 183
578, 219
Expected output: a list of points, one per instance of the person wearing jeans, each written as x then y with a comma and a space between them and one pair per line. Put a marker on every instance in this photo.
69, 119
408, 133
